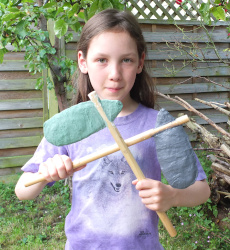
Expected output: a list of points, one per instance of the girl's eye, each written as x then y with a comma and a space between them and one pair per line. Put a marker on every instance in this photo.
101, 60
127, 60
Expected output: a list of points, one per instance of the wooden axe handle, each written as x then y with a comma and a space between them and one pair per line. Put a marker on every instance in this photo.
114, 148
129, 158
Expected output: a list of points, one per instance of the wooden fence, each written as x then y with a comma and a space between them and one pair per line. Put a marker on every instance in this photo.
187, 83
22, 112
23, 109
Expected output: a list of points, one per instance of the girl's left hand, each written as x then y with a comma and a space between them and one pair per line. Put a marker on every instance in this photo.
155, 195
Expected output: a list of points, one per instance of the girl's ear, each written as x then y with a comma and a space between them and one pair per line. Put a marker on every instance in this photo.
82, 62
141, 63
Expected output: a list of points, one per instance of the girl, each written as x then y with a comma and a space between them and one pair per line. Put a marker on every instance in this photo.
108, 212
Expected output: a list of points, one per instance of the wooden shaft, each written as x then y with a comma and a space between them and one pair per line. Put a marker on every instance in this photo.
114, 148
129, 158
117, 137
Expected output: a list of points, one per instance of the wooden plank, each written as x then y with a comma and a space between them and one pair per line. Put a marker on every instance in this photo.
20, 94
9, 175
71, 54
21, 104
191, 88
21, 132
192, 72
21, 113
159, 37
11, 48
172, 106
19, 123
45, 97
17, 151
20, 142
18, 84
14, 56
53, 103
166, 53
15, 75
180, 22
13, 65
188, 80
16, 161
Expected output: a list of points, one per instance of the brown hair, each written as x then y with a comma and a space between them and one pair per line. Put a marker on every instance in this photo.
111, 19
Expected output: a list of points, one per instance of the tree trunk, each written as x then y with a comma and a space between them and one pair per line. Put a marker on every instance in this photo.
58, 79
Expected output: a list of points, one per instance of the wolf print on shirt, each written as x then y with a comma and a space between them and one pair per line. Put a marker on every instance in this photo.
117, 174
111, 199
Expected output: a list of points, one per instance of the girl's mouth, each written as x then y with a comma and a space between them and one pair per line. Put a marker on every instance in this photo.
114, 90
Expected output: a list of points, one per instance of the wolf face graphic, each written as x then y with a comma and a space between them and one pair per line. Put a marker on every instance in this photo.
115, 174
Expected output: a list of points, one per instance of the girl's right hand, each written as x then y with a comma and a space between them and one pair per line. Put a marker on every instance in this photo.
57, 168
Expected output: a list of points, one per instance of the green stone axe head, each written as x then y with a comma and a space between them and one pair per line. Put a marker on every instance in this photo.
174, 151
79, 122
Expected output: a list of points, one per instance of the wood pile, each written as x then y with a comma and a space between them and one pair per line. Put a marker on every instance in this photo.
219, 180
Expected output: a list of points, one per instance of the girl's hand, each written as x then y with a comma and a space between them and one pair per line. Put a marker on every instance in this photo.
155, 195
57, 168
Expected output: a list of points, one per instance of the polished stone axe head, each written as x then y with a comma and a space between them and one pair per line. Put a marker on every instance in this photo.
78, 122
175, 153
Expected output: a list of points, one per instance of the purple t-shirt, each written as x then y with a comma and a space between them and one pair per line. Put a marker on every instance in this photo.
107, 212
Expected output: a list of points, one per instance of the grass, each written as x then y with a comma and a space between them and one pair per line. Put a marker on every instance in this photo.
196, 227
36, 224
39, 224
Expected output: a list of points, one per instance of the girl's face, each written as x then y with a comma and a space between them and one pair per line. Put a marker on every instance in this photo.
112, 63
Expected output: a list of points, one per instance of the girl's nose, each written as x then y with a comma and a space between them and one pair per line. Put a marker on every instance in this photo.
114, 72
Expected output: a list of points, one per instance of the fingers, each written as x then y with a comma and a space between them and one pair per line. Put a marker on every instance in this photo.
57, 168
135, 182
79, 168
152, 194
146, 184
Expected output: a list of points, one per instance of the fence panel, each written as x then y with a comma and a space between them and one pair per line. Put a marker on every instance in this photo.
21, 114
22, 108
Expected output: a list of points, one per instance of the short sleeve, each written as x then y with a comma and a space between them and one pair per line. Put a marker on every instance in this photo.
44, 151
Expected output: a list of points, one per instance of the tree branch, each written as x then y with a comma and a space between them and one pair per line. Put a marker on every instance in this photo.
224, 111
212, 82
192, 109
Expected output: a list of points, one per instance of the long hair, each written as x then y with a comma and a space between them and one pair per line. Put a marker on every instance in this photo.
109, 20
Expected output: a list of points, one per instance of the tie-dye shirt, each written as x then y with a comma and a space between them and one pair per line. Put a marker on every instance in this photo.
107, 212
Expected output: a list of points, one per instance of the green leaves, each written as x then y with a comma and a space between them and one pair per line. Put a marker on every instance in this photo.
218, 13
99, 5
60, 28
2, 52
21, 27
204, 11
219, 10
4, 1
12, 16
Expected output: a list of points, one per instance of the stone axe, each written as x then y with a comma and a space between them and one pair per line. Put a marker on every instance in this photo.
56, 131
58, 125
